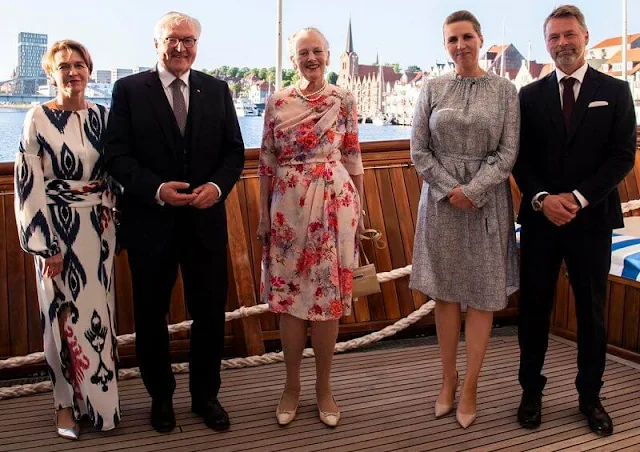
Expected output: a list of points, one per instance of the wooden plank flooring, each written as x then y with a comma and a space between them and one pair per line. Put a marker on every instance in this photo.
386, 395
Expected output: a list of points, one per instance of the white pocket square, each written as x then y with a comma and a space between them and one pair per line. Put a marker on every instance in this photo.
598, 103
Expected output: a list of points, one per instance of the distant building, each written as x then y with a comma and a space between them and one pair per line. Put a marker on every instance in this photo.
139, 69
260, 90
606, 49
117, 74
370, 84
102, 76
29, 74
492, 60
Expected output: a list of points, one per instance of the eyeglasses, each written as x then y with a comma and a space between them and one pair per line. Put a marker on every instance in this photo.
187, 42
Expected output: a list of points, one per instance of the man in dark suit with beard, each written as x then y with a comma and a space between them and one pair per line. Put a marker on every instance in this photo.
578, 141
174, 143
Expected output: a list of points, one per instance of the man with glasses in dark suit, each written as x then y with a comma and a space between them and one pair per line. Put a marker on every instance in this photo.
174, 143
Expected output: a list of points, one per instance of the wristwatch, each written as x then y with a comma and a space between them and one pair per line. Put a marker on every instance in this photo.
538, 201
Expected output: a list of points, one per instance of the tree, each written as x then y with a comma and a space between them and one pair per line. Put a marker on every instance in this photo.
396, 67
332, 78
262, 73
414, 68
233, 72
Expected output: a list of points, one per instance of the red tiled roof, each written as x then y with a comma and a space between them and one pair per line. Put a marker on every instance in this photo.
632, 71
387, 72
632, 55
498, 49
616, 41
535, 69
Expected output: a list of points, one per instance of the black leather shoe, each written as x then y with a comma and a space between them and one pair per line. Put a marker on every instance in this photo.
162, 418
599, 421
215, 417
530, 409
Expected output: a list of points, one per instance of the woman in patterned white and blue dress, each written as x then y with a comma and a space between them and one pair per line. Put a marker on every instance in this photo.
64, 217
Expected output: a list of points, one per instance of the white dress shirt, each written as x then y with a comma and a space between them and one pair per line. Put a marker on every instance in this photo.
578, 74
167, 78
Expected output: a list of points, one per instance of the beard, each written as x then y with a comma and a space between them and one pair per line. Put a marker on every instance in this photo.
566, 56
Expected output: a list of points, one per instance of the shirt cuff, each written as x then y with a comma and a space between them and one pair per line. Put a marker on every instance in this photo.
217, 188
538, 194
581, 199
158, 200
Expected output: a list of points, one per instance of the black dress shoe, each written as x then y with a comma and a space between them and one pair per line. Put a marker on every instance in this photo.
599, 421
530, 409
215, 417
162, 418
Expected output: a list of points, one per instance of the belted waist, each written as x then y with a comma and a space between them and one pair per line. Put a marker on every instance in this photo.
294, 163
466, 158
77, 193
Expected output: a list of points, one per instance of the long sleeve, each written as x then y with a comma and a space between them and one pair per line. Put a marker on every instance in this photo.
35, 228
120, 161
527, 181
350, 148
622, 151
268, 160
496, 167
228, 173
427, 164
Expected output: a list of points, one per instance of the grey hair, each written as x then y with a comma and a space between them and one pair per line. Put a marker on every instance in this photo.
293, 39
173, 19
564, 12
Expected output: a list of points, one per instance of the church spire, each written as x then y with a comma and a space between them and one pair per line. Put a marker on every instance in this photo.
349, 39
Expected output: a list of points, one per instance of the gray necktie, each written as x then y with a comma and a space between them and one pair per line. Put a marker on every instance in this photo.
179, 106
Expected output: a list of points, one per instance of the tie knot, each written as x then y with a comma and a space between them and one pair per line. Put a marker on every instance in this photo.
568, 82
177, 83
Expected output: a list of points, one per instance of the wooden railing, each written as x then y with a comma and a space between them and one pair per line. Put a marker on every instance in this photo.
392, 192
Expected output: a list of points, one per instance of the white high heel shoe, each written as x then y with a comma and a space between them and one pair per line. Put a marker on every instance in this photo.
441, 409
285, 417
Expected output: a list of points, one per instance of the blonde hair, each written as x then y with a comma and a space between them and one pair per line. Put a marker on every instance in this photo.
48, 59
171, 20
293, 39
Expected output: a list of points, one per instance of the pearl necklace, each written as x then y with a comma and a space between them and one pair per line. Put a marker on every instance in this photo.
311, 96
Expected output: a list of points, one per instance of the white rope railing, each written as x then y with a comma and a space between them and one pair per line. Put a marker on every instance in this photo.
235, 363
628, 206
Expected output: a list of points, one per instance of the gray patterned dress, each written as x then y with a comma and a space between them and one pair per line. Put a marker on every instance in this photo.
466, 131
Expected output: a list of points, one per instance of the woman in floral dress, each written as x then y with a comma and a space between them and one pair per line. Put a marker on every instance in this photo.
63, 213
310, 185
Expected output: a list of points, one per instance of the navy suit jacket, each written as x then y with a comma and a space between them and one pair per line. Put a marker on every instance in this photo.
141, 152
593, 156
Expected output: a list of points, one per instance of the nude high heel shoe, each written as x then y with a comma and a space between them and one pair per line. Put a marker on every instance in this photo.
441, 409
285, 417
465, 420
328, 418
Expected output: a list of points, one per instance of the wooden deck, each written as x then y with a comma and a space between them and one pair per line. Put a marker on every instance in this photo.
386, 394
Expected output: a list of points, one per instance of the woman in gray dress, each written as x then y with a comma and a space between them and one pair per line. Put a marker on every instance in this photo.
464, 143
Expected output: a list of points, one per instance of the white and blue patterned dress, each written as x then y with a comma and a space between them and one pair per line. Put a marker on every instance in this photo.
63, 205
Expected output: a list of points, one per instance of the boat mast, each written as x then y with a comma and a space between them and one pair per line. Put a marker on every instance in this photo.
278, 44
624, 40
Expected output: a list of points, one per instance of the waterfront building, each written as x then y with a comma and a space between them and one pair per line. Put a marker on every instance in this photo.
29, 74
138, 69
502, 59
260, 91
118, 73
370, 84
102, 76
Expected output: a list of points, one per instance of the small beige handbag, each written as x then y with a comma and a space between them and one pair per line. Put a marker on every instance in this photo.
365, 279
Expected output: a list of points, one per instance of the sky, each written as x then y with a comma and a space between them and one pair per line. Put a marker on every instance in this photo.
119, 33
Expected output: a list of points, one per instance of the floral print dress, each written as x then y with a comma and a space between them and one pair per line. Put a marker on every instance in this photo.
63, 205
310, 147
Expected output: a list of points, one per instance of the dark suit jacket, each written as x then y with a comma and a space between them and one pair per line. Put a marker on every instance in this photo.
142, 151
593, 157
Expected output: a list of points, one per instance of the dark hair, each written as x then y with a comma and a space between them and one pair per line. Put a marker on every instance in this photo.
563, 12
461, 16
